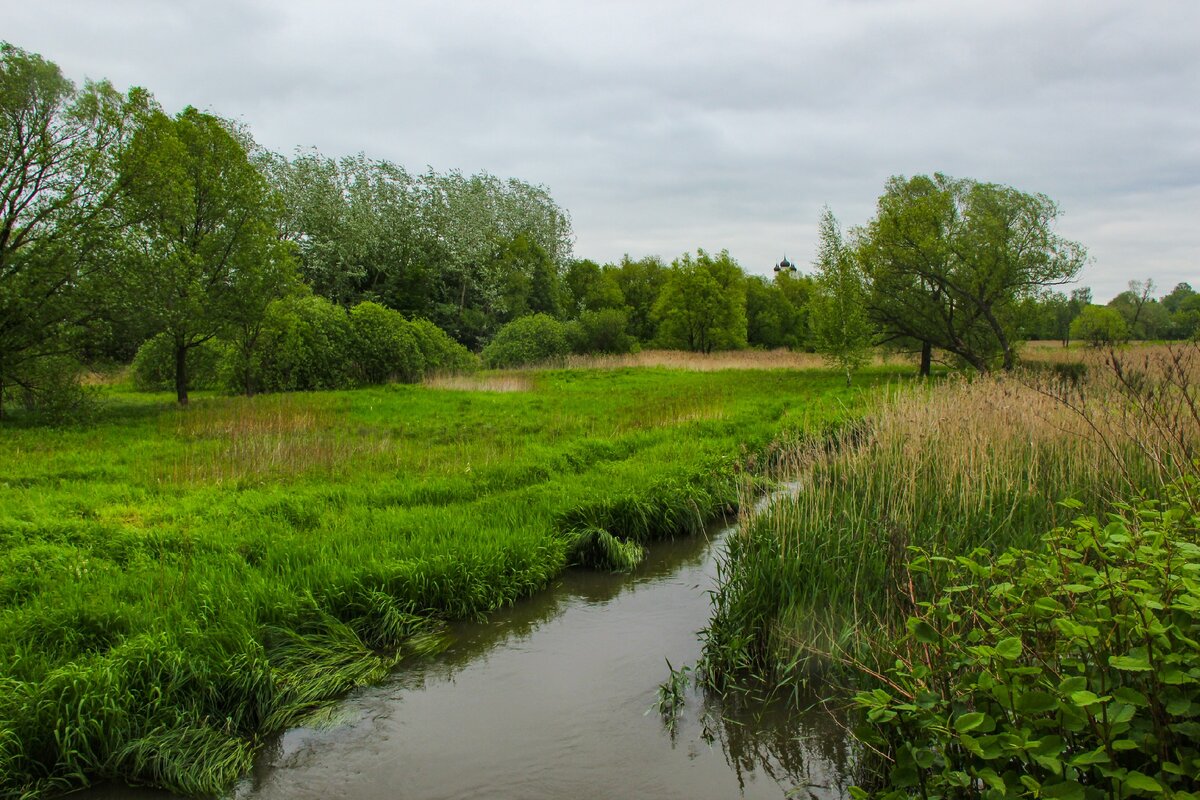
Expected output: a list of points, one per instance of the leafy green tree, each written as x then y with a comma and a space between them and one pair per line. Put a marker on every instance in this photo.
842, 331
771, 319
530, 279
948, 262
602, 331
591, 287
59, 150
306, 344
702, 306
1100, 325
640, 283
205, 251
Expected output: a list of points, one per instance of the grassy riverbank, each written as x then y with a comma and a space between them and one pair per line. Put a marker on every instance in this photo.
176, 584
949, 468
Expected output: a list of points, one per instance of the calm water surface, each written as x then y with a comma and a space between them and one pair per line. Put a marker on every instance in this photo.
552, 699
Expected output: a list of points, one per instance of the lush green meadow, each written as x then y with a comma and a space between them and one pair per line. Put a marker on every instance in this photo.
177, 583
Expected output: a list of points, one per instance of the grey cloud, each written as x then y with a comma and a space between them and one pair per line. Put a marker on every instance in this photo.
669, 125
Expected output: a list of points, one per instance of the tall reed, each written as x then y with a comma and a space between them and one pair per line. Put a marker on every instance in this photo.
952, 467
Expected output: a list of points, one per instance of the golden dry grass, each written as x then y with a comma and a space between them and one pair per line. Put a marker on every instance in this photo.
480, 383
238, 438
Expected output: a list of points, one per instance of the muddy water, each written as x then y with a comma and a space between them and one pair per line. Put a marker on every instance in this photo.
553, 699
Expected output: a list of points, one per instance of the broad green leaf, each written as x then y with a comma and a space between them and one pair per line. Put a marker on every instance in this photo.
1130, 663
1142, 783
1009, 649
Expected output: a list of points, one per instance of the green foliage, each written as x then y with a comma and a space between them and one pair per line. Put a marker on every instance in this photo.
204, 257
467, 252
949, 261
841, 330
439, 351
1100, 325
772, 318
305, 344
154, 364
601, 331
640, 283
59, 149
702, 306
591, 287
384, 346
1069, 671
50, 390
532, 339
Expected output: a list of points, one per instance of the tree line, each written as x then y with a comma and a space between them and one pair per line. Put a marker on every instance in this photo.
124, 228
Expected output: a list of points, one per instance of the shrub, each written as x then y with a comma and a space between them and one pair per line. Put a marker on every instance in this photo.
527, 340
154, 365
50, 389
1100, 325
385, 347
441, 353
602, 331
304, 345
1070, 671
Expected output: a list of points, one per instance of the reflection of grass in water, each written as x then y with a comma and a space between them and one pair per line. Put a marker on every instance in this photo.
176, 584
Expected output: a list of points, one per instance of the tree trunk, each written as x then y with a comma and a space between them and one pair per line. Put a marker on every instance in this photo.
926, 358
181, 389
1010, 359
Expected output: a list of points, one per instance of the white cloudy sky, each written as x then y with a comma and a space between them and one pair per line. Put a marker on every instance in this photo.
666, 126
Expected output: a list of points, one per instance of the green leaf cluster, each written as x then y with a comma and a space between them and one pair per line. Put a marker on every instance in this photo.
1070, 671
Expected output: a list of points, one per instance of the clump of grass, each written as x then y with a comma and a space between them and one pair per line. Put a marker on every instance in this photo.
948, 468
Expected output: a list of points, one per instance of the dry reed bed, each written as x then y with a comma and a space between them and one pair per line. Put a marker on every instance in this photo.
948, 468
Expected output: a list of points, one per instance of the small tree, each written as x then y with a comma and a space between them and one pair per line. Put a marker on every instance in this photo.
702, 306
1100, 325
204, 249
840, 327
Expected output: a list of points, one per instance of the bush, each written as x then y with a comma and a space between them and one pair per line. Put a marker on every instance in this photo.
441, 353
305, 345
154, 365
527, 340
602, 331
385, 347
50, 390
1100, 325
1071, 671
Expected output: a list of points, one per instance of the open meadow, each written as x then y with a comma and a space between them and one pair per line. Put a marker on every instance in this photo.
176, 584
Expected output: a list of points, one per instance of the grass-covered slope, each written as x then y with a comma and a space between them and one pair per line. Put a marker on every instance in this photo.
175, 584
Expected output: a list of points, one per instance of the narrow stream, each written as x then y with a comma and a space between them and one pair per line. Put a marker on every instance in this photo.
554, 698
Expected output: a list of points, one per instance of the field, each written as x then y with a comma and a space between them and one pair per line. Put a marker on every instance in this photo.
177, 584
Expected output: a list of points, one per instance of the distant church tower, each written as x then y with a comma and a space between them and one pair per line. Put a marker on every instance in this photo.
785, 266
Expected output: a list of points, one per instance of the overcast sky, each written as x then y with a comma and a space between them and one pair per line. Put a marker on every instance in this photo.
666, 126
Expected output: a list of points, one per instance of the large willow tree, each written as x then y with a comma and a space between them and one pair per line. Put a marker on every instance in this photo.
948, 262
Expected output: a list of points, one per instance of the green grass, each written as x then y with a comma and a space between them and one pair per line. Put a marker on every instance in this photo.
176, 584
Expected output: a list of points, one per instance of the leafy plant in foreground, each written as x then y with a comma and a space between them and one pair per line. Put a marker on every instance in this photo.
1071, 671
